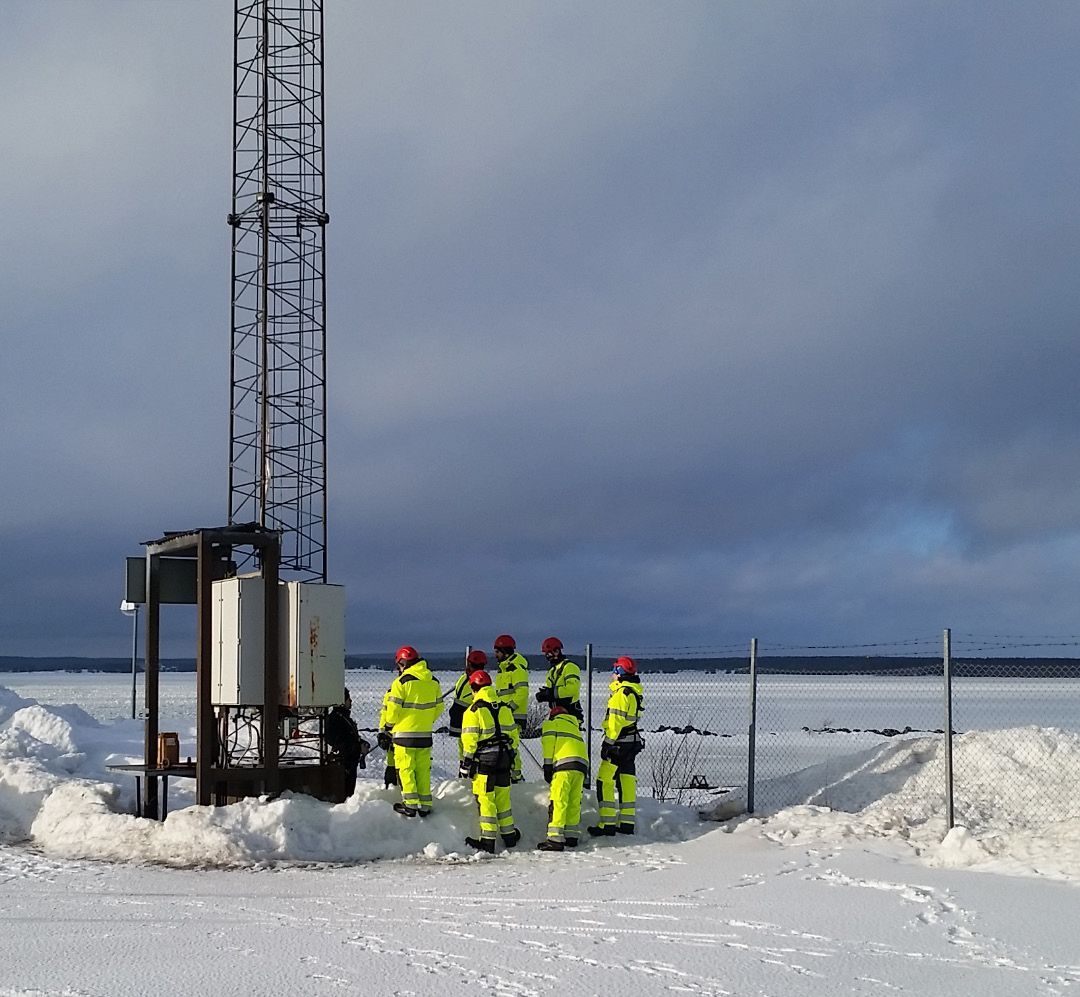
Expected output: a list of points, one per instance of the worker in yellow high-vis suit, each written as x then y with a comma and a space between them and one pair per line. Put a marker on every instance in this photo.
386, 742
412, 707
566, 763
617, 775
562, 684
475, 662
512, 687
489, 741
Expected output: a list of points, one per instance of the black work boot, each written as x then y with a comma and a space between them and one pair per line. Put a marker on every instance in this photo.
571, 842
550, 846
481, 844
405, 810
512, 838
602, 831
625, 828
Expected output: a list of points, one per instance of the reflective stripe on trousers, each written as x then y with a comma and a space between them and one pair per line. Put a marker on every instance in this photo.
610, 780
564, 811
414, 775
496, 816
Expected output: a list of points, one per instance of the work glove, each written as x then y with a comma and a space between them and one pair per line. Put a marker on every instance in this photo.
384, 740
549, 771
543, 694
464, 770
607, 752
516, 777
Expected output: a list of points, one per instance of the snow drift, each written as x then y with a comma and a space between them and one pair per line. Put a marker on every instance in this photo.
56, 795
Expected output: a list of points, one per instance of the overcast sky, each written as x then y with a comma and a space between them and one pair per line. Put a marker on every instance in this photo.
649, 324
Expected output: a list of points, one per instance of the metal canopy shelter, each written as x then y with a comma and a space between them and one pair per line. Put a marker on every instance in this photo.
213, 552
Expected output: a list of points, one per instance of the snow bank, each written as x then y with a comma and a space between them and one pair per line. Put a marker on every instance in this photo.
1014, 798
1015, 792
56, 793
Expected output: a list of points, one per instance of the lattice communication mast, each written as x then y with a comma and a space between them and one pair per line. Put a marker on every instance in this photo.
277, 437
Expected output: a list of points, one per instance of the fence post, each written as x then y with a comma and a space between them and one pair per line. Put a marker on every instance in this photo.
752, 733
588, 712
947, 672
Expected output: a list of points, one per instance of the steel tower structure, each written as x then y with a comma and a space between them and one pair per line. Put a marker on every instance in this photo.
277, 436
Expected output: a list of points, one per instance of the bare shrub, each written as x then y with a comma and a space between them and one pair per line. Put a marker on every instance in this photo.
534, 719
673, 762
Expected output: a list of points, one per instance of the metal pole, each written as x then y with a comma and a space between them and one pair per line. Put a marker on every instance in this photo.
134, 656
270, 554
205, 725
152, 661
588, 712
947, 670
752, 733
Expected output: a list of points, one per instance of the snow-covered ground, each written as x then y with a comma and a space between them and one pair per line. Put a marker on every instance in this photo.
850, 886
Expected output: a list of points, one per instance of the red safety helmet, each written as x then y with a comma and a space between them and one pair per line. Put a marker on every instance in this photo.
406, 655
479, 678
625, 666
556, 710
477, 659
504, 642
551, 644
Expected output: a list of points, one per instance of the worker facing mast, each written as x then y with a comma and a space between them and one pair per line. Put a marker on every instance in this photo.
412, 706
489, 741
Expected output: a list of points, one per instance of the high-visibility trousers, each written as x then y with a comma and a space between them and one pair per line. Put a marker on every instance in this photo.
614, 782
564, 806
496, 817
414, 775
515, 765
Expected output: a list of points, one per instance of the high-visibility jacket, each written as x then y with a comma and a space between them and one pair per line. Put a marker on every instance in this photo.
564, 747
383, 725
413, 704
620, 725
564, 680
463, 697
512, 685
489, 736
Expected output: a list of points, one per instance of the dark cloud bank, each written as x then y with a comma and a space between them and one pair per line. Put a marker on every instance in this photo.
649, 325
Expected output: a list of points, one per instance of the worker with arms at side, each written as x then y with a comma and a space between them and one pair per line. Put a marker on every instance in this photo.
413, 705
566, 763
512, 687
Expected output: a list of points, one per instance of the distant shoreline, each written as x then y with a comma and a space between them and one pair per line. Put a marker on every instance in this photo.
966, 666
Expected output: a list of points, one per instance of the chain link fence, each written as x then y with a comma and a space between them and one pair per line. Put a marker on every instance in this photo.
736, 723
816, 705
1031, 703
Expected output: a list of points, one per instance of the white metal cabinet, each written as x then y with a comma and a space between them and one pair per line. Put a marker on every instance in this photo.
311, 619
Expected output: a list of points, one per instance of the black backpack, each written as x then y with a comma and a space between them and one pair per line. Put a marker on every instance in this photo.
496, 754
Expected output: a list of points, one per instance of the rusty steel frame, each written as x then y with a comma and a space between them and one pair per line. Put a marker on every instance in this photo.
212, 548
277, 438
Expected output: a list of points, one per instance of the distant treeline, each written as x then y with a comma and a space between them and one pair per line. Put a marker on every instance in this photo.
790, 665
